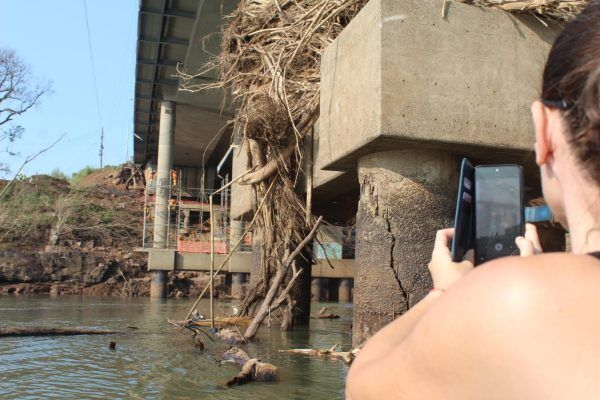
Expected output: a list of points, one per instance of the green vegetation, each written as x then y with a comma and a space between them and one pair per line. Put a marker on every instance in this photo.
81, 174
58, 174
41, 210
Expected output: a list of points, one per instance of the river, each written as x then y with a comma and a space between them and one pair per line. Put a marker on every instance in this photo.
154, 361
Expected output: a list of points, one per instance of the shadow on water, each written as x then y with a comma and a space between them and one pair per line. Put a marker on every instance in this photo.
155, 361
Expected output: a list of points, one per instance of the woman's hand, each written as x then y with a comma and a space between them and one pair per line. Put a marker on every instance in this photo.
443, 270
530, 244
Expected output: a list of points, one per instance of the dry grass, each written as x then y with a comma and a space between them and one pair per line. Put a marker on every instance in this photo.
562, 10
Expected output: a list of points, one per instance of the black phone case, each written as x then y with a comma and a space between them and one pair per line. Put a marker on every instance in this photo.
463, 242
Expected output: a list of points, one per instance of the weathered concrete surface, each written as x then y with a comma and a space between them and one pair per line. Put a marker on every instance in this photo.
301, 292
242, 196
158, 285
319, 289
390, 80
237, 285
255, 266
406, 196
345, 291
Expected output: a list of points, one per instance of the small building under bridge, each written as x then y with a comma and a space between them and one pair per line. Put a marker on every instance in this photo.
406, 92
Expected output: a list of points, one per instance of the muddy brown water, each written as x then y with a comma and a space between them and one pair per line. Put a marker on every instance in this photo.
154, 361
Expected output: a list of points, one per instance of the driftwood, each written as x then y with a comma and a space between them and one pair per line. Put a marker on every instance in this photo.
346, 356
562, 10
266, 306
220, 322
43, 331
197, 331
252, 368
323, 314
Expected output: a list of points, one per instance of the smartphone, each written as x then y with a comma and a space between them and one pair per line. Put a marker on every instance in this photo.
463, 216
499, 216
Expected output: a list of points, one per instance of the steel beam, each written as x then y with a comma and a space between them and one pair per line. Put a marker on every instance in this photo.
159, 63
177, 42
165, 82
170, 13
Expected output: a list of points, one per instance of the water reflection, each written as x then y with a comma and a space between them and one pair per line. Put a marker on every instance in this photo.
153, 361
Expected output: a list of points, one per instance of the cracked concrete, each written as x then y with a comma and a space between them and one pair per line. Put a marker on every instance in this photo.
406, 195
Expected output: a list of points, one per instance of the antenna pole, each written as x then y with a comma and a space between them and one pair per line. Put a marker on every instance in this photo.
101, 145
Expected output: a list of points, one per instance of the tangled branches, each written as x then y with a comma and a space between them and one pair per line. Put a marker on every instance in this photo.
562, 10
270, 60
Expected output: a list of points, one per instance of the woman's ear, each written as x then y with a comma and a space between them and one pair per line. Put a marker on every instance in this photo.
540, 122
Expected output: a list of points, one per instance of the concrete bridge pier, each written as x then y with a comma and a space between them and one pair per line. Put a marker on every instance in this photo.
319, 289
345, 291
405, 197
237, 283
158, 284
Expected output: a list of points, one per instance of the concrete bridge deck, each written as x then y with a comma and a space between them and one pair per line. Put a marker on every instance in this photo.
173, 260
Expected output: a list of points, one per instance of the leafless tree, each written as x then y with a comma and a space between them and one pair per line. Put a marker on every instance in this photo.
19, 92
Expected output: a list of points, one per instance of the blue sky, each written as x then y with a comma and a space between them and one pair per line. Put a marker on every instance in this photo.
51, 37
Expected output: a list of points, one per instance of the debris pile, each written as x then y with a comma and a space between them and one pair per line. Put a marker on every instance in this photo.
270, 59
561, 10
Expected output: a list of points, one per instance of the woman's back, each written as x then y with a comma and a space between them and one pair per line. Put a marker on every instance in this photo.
518, 327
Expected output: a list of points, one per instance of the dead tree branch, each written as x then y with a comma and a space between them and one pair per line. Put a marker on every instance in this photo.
277, 281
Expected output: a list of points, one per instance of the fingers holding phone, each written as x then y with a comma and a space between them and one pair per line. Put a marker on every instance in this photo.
529, 244
444, 271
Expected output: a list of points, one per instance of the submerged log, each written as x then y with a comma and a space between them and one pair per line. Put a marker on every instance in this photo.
323, 314
346, 356
231, 336
253, 370
43, 331
220, 322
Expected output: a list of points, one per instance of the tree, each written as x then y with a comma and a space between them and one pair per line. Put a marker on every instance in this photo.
19, 92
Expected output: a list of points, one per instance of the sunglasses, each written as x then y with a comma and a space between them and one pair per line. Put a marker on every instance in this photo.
558, 104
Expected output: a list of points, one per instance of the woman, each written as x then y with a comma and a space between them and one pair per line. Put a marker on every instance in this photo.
522, 327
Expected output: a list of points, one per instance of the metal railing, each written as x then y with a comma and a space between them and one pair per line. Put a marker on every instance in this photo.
189, 223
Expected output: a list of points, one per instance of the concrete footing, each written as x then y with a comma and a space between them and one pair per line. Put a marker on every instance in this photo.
345, 291
405, 197
319, 289
158, 284
237, 285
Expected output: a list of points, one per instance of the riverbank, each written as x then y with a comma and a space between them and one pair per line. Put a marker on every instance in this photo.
92, 272
61, 238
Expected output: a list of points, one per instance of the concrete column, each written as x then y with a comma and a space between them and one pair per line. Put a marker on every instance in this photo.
319, 289
236, 231
256, 256
186, 219
301, 291
158, 285
405, 197
237, 281
345, 291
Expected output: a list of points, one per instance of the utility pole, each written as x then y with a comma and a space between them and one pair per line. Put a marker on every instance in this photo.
101, 145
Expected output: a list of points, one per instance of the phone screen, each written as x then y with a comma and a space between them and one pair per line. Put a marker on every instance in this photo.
498, 211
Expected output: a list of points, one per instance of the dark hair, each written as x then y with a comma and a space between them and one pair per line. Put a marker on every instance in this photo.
572, 78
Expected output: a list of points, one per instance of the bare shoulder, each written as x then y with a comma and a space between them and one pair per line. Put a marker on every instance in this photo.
520, 286
538, 275
517, 314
